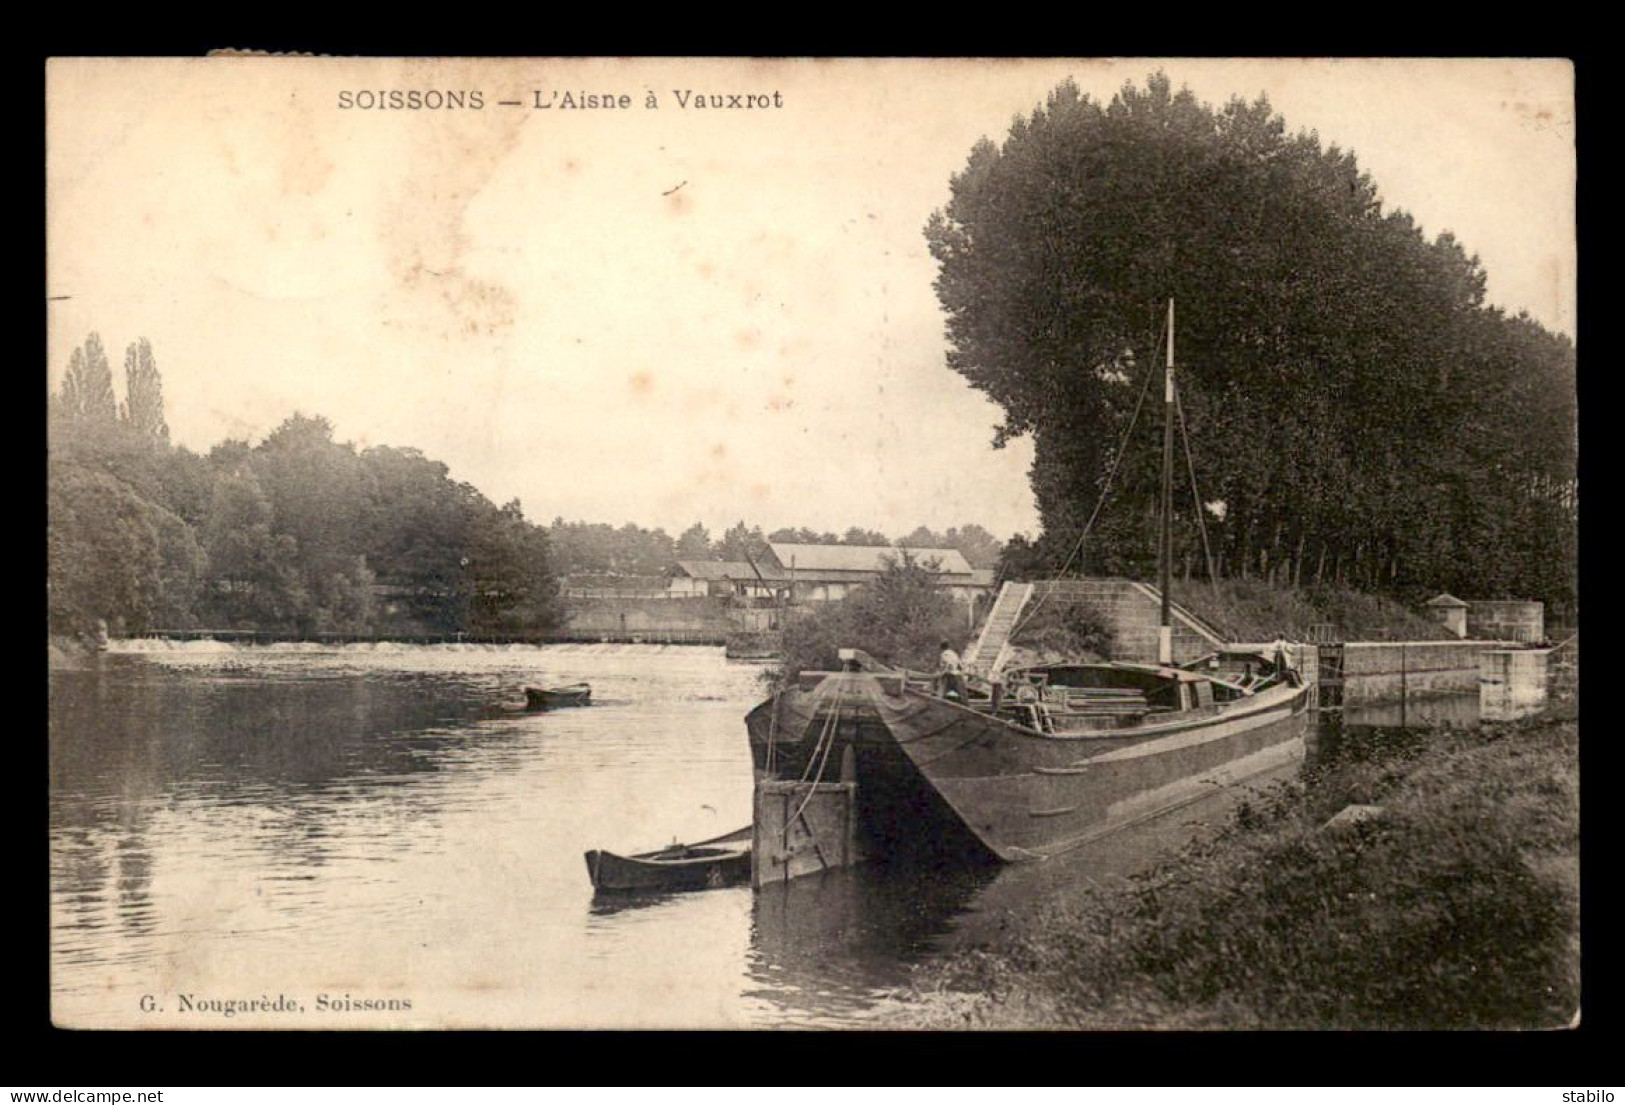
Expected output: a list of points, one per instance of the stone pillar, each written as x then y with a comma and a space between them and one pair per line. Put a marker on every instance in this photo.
1511, 683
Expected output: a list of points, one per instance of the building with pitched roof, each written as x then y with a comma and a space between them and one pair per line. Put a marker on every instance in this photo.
1449, 611
824, 573
821, 573
693, 578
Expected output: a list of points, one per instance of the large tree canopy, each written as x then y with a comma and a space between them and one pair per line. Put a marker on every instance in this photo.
1354, 406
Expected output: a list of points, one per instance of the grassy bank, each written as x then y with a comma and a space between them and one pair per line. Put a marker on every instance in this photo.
1252, 610
1458, 907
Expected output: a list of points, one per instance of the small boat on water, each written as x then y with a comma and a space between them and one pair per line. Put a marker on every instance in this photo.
552, 698
720, 861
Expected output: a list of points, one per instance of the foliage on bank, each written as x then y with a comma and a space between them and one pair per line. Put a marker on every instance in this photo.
1458, 908
1062, 632
298, 533
900, 618
1359, 415
1256, 610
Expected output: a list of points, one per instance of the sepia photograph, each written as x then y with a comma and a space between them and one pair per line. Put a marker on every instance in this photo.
907, 544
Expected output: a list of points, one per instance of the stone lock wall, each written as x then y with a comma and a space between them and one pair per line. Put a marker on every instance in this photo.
1524, 622
1375, 671
651, 616
1134, 612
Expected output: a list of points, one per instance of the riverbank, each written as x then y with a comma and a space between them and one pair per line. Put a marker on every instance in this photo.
1254, 610
1456, 907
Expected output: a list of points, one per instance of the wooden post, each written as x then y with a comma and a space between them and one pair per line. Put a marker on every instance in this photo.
1403, 684
802, 829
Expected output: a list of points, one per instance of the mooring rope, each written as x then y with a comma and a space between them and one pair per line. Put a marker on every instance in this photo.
819, 742
826, 740
773, 724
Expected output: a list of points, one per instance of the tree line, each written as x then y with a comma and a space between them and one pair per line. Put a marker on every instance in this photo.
631, 550
304, 534
299, 533
1357, 413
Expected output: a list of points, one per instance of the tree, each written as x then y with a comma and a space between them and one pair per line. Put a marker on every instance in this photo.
253, 578
345, 601
319, 493
901, 617
859, 536
1334, 362
739, 542
87, 389
694, 543
143, 409
182, 570
597, 547
186, 484
102, 549
1022, 560
976, 544
513, 587
642, 552
418, 525
124, 505
924, 537
803, 535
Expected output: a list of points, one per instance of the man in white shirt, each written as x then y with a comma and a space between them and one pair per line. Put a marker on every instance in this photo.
951, 678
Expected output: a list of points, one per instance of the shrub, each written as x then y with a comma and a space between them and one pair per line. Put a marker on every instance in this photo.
899, 618
1069, 630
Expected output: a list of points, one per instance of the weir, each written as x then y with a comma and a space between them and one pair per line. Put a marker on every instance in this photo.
384, 645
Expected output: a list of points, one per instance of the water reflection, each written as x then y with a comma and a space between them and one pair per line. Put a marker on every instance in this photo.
827, 946
1375, 730
377, 820
247, 817
1451, 709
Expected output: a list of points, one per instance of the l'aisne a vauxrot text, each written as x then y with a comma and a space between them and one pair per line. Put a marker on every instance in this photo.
545, 99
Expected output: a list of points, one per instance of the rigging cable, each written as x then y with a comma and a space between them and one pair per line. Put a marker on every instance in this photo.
1190, 465
1100, 502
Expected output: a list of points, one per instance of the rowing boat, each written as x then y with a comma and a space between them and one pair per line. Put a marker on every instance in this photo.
720, 861
551, 698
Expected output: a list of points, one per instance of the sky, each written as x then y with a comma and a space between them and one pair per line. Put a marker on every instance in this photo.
662, 314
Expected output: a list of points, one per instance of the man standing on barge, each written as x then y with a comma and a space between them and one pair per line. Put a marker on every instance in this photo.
951, 678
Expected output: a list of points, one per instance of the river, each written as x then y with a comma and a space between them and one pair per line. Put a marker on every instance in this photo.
294, 836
